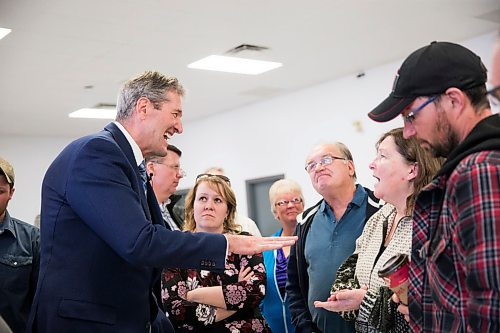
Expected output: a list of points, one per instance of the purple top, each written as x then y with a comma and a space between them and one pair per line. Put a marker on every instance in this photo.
281, 265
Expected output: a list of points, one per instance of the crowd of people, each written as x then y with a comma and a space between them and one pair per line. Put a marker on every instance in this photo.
113, 254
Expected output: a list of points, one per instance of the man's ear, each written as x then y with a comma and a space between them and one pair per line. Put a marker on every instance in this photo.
150, 168
12, 190
352, 170
457, 99
141, 106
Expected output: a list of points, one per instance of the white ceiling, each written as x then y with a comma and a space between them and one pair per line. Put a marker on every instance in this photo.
59, 47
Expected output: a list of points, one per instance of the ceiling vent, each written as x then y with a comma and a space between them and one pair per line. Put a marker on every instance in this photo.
247, 47
105, 106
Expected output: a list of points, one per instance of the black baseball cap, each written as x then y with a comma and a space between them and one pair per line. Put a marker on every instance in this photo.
429, 71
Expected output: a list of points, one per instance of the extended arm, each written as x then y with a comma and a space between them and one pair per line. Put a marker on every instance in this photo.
101, 180
104, 191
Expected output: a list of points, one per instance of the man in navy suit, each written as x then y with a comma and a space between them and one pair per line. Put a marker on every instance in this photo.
103, 240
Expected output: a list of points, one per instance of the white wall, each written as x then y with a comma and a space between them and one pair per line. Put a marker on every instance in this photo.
30, 157
259, 140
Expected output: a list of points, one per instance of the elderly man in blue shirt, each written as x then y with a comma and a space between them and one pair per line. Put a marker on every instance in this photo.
327, 234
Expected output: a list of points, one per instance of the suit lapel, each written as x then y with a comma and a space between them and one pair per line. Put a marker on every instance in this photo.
124, 145
154, 207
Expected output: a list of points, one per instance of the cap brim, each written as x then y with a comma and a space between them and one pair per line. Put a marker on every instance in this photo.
390, 108
6, 176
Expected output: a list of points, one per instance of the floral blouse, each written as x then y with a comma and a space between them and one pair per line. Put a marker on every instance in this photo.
243, 297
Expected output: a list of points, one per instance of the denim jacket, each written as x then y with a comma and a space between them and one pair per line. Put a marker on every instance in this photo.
19, 262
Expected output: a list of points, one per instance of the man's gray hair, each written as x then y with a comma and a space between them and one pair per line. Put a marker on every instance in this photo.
346, 153
152, 85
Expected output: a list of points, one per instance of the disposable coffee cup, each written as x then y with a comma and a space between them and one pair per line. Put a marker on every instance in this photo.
395, 274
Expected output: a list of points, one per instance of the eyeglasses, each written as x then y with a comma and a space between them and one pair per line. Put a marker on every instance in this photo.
294, 201
325, 160
176, 168
410, 117
208, 175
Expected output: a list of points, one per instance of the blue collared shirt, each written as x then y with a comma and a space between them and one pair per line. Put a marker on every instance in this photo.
19, 263
328, 244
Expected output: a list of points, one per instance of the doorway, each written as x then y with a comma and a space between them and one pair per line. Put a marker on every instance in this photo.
259, 208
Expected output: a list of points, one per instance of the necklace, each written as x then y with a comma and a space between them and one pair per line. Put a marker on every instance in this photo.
389, 233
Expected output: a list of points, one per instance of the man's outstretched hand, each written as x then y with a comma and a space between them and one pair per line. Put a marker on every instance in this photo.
241, 244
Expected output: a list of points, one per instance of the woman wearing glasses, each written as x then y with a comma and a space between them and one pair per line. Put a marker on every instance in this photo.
203, 301
287, 202
402, 168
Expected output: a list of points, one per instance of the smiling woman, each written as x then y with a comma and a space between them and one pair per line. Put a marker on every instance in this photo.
202, 301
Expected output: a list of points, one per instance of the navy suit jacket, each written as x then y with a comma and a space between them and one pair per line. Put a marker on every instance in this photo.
103, 244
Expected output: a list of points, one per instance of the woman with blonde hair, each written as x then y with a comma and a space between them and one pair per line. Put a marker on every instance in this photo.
287, 201
205, 301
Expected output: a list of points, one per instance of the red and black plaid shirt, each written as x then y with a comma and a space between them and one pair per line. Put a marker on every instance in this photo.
455, 269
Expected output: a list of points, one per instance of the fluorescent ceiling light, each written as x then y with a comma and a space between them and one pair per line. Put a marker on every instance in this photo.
4, 32
234, 65
102, 113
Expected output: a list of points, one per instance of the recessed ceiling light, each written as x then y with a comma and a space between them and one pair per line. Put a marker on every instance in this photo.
234, 65
95, 113
4, 32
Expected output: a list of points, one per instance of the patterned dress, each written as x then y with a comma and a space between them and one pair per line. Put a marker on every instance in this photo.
377, 313
243, 297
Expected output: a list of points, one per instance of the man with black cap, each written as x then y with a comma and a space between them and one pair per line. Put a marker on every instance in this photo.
19, 258
441, 94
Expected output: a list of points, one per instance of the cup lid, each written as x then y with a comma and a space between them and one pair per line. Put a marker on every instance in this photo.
393, 264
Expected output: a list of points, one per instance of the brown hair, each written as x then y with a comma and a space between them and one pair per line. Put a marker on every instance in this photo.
413, 153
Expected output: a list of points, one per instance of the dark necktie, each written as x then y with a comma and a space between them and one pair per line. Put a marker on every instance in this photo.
142, 172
